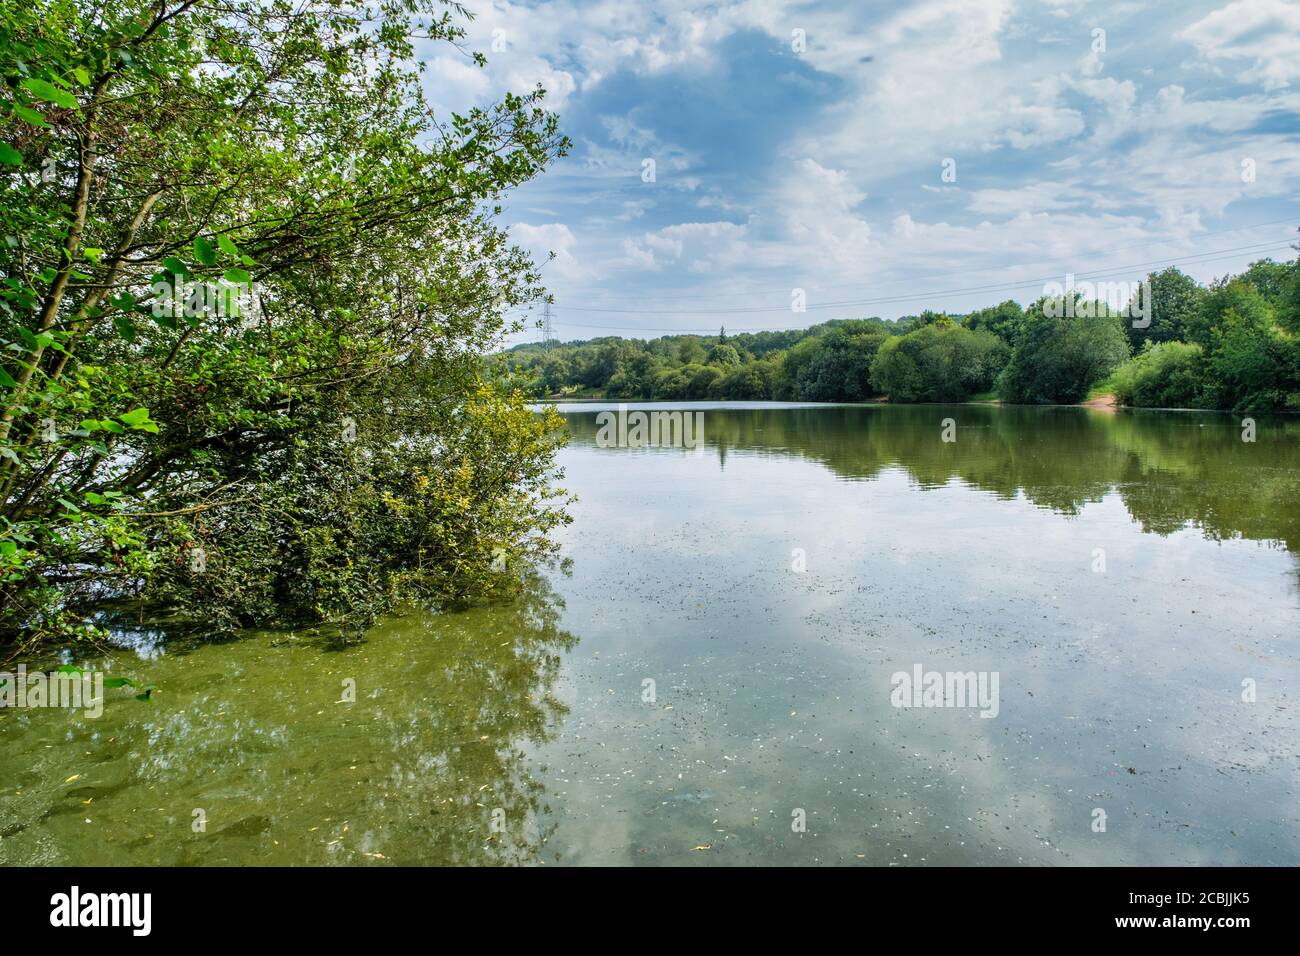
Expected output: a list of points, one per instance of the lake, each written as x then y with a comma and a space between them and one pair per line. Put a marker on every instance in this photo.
719, 673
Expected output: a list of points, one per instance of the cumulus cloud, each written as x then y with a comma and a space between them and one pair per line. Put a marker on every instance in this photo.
820, 165
1260, 38
550, 243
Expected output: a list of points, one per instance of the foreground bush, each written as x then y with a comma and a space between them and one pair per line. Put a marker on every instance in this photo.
248, 284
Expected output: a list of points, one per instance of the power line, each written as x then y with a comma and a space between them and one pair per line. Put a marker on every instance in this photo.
1028, 283
936, 275
1227, 253
1194, 259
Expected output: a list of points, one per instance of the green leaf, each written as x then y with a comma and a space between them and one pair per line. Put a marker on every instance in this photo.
10, 156
50, 93
114, 682
227, 245
204, 252
138, 418
30, 115
124, 327
175, 266
238, 276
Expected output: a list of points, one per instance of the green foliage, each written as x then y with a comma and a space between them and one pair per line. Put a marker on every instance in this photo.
1245, 330
724, 354
1002, 320
1278, 283
752, 381
1058, 359
1176, 298
178, 148
1163, 375
939, 362
634, 375
1252, 365
1234, 295
835, 366
705, 381
1251, 356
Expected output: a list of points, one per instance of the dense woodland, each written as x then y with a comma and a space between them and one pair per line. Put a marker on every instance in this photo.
1234, 344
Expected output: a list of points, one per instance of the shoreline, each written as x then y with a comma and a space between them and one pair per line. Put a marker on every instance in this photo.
1106, 402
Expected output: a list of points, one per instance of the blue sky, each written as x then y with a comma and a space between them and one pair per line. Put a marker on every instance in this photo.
820, 165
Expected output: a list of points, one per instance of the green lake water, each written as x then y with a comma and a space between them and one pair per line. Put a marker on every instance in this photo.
1130, 578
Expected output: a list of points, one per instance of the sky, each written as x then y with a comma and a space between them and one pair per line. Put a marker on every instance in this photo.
734, 161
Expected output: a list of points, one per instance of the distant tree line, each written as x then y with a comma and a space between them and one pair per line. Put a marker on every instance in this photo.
1234, 344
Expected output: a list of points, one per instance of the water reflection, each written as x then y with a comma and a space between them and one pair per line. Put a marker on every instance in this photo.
1169, 468
1119, 690
427, 766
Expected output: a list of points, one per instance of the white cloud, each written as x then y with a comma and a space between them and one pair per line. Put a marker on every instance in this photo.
1262, 35
698, 247
1090, 158
543, 240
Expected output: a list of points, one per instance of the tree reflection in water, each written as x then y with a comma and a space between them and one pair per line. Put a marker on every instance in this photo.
428, 766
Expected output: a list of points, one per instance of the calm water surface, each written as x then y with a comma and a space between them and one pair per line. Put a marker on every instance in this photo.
526, 734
